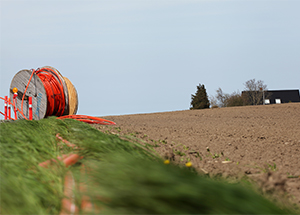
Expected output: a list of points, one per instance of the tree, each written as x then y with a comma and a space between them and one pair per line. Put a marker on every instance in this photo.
200, 99
222, 97
228, 100
254, 92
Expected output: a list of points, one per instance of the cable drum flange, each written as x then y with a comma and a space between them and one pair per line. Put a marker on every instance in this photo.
73, 97
35, 89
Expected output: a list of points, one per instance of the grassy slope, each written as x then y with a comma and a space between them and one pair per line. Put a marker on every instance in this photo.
127, 177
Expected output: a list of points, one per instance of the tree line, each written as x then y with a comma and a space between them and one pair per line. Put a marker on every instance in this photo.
254, 94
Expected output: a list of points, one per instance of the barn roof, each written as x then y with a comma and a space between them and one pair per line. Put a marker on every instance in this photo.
280, 96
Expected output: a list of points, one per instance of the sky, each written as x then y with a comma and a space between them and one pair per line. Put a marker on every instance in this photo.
133, 56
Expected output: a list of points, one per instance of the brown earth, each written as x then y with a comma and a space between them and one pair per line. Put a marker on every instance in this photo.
257, 142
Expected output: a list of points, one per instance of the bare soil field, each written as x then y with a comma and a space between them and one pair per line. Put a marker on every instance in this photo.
257, 142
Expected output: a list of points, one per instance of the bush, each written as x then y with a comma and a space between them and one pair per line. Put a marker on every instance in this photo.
229, 100
234, 99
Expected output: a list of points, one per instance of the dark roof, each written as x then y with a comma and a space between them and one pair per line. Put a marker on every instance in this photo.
284, 95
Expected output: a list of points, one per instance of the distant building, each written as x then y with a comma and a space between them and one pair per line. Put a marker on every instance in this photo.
274, 96
282, 96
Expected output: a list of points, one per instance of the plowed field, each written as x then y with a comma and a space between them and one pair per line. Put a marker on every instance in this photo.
260, 142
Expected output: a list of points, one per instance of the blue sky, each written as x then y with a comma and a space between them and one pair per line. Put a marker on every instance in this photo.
127, 57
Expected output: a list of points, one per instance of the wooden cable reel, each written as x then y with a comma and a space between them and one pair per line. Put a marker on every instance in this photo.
36, 89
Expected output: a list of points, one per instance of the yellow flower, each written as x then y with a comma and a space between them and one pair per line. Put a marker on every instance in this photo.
188, 164
166, 162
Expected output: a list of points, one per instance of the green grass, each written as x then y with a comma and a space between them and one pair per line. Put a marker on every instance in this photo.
130, 178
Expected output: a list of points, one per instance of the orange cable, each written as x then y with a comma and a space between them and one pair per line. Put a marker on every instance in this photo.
88, 119
54, 90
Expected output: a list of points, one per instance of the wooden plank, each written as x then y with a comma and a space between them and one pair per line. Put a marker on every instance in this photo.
35, 89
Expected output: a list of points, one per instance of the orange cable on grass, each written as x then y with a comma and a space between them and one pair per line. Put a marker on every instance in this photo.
68, 202
47, 163
66, 142
86, 204
72, 159
68, 160
88, 119
68, 205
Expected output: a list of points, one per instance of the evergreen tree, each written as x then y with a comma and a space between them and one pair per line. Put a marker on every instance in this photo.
200, 99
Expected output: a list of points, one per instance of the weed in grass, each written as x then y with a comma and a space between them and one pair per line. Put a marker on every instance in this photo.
185, 147
292, 176
196, 154
179, 153
162, 141
215, 155
179, 144
272, 167
133, 134
267, 167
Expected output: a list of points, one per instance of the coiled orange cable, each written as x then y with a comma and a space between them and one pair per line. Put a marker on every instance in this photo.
54, 90
56, 98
